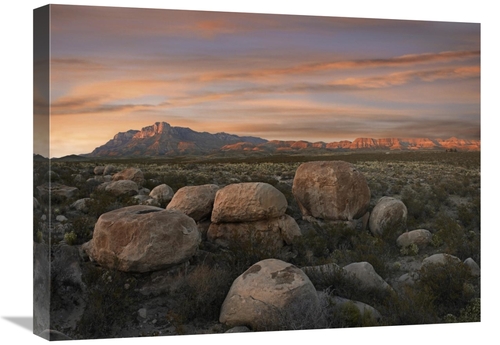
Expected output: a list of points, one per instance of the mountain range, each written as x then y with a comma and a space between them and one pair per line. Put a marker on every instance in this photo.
161, 139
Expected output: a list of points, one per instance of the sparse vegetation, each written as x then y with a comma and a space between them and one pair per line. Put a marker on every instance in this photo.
440, 190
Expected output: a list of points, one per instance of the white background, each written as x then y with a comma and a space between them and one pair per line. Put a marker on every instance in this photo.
16, 167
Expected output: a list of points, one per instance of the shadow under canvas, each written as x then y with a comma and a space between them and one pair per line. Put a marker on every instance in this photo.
25, 322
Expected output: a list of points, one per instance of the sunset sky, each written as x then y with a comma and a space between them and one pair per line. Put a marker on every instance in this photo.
273, 76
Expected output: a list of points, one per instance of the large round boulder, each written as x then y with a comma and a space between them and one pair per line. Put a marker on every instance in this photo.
331, 190
143, 238
248, 202
133, 174
271, 295
388, 217
195, 201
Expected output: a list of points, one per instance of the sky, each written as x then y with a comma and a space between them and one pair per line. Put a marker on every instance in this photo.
286, 77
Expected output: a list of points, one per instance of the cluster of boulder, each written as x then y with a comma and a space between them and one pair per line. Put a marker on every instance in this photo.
271, 294
251, 211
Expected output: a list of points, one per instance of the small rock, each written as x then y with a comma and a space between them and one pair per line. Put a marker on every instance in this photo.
61, 218
419, 237
474, 267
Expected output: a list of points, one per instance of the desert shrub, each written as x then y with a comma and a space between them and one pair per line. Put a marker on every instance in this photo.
450, 286
345, 315
244, 250
82, 227
456, 240
469, 214
174, 179
410, 250
200, 294
70, 238
109, 297
472, 312
420, 205
332, 278
322, 241
101, 202
409, 307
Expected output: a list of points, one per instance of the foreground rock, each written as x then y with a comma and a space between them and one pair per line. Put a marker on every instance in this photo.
195, 201
331, 190
248, 202
388, 217
367, 277
143, 238
271, 295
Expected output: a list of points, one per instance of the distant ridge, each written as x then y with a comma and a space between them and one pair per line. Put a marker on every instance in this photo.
161, 139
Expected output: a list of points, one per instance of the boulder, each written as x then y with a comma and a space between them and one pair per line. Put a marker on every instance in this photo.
162, 192
81, 205
144, 191
122, 187
132, 174
109, 170
248, 202
268, 233
195, 201
388, 217
143, 238
419, 237
440, 258
473, 266
367, 277
271, 295
99, 170
333, 190
61, 218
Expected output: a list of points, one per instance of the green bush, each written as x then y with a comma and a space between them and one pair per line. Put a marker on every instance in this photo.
450, 286
456, 240
70, 238
410, 250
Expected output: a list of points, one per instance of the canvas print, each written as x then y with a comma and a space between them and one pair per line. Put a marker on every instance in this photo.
202, 172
